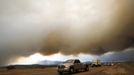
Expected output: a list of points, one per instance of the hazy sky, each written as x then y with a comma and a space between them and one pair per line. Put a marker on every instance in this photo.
92, 27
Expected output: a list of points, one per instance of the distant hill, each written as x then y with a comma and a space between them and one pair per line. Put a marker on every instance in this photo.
48, 62
28, 66
40, 64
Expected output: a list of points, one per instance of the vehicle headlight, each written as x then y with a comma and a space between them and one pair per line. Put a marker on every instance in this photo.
61, 66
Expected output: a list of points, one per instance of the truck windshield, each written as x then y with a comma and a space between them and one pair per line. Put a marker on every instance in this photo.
69, 61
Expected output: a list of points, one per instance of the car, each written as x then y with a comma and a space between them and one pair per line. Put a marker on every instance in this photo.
72, 65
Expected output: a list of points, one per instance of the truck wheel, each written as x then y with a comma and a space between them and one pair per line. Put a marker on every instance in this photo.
60, 73
71, 70
87, 69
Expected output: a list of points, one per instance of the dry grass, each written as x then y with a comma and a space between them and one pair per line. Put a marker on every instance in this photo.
120, 69
27, 71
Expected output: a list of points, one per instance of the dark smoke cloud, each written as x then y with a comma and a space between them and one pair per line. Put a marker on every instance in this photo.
116, 38
66, 26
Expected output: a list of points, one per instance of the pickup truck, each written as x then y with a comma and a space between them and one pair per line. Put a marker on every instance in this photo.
72, 65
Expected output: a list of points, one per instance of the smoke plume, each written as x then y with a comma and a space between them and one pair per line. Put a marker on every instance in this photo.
66, 26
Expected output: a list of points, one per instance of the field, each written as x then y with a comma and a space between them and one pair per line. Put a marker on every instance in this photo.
118, 69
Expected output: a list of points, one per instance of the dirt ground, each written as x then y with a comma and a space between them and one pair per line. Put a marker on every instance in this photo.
119, 69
